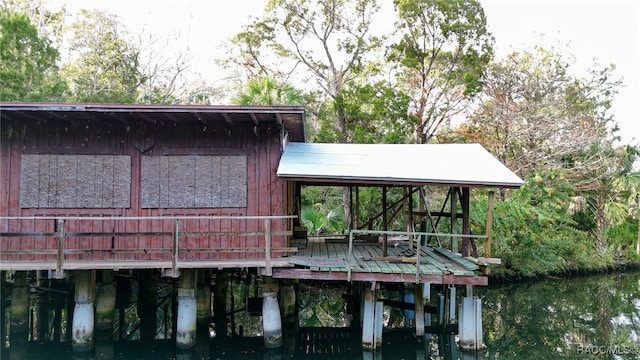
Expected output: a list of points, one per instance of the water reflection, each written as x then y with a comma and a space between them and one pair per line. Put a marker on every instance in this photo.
564, 318
554, 318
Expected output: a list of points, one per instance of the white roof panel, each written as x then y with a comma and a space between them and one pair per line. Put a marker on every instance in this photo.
441, 164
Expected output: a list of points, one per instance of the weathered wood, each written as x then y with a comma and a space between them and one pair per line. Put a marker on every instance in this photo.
485, 260
306, 274
489, 225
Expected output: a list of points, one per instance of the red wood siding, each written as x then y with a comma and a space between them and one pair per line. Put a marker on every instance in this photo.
158, 136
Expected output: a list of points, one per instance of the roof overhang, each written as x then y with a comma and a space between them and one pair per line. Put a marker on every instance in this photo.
465, 165
290, 118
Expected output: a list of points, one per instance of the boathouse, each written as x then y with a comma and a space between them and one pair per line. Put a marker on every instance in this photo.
100, 187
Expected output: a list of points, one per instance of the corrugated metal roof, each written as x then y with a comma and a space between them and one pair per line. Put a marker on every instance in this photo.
418, 164
292, 118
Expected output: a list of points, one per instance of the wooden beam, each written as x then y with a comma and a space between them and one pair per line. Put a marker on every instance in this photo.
306, 274
384, 220
487, 243
254, 119
227, 118
466, 225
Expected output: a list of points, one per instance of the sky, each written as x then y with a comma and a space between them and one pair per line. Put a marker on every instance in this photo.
601, 31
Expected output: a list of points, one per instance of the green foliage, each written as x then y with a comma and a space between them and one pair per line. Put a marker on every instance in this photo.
322, 210
106, 67
28, 70
376, 113
533, 231
443, 49
268, 92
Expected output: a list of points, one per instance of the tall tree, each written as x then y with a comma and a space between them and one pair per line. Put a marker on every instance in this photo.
105, 66
328, 39
28, 70
441, 53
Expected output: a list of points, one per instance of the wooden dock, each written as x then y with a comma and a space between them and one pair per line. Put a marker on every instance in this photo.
331, 260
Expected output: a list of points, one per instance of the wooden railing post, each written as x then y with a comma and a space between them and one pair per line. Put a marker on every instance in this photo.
59, 273
418, 249
174, 250
267, 247
487, 243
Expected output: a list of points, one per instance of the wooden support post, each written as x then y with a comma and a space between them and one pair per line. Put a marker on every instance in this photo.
43, 309
174, 250
454, 218
426, 299
419, 308
288, 306
267, 247
19, 309
147, 306
487, 244
203, 300
59, 273
356, 212
372, 319
466, 222
220, 303
384, 219
450, 314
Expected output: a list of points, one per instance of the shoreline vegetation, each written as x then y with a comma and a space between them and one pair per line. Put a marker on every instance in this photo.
501, 278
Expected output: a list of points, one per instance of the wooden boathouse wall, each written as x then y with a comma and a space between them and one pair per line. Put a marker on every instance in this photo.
146, 166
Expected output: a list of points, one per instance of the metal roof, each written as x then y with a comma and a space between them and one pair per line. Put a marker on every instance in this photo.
409, 164
292, 118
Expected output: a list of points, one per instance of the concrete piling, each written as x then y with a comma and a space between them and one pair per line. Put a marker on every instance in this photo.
470, 325
271, 319
83, 313
187, 310
105, 301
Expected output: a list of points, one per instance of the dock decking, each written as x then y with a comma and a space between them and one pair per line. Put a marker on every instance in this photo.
330, 260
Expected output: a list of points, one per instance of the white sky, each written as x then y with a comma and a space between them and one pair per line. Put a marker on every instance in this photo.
607, 31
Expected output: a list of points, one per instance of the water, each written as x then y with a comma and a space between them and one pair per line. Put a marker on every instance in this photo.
583, 317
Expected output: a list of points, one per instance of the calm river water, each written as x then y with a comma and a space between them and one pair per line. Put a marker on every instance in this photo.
590, 317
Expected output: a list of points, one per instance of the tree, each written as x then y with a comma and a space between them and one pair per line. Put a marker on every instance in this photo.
376, 113
534, 115
441, 54
330, 39
28, 70
106, 66
266, 91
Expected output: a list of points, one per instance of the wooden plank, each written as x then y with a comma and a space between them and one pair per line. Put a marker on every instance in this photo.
457, 259
306, 274
484, 261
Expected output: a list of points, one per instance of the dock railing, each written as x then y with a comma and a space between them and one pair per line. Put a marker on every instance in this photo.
169, 243
413, 237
